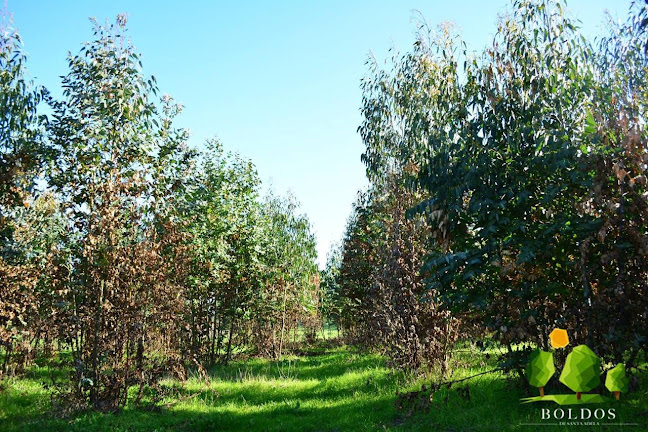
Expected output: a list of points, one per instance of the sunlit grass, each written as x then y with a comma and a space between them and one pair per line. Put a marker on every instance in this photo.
337, 389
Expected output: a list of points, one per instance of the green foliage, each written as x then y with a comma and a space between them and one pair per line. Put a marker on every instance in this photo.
139, 255
22, 154
22, 148
619, 199
508, 196
224, 221
528, 162
290, 293
114, 177
506, 178
331, 303
253, 272
356, 269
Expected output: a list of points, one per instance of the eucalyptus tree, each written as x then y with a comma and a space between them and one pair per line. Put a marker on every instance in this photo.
617, 253
509, 176
415, 327
385, 304
225, 225
400, 106
355, 277
22, 138
253, 272
504, 170
331, 301
290, 291
40, 231
528, 162
545, 207
401, 110
115, 144
22, 154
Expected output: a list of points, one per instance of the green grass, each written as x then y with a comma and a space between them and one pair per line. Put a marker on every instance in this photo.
328, 331
328, 390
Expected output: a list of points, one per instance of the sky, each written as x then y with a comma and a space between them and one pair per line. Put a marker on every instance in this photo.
276, 81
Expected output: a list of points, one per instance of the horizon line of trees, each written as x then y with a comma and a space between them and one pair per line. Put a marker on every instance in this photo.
508, 194
126, 249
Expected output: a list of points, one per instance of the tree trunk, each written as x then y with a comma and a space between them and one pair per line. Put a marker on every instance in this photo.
219, 336
212, 348
228, 355
95, 347
587, 291
283, 322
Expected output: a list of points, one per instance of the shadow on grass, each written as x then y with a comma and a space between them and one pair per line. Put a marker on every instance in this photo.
342, 390
348, 414
334, 392
19, 404
315, 367
325, 380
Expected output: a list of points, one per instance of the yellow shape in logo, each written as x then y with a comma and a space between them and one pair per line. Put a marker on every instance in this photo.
559, 338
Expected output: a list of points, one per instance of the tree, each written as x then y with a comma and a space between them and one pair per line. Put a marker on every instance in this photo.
507, 176
22, 145
290, 292
331, 302
527, 164
386, 304
22, 154
617, 252
115, 146
355, 278
226, 229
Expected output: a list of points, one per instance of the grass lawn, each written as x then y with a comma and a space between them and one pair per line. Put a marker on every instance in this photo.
335, 389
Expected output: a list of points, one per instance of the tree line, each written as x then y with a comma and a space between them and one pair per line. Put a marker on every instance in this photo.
508, 194
124, 250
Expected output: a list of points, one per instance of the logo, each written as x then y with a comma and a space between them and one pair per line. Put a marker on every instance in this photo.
581, 374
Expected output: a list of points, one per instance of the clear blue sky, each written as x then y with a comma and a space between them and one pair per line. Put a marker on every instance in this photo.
276, 81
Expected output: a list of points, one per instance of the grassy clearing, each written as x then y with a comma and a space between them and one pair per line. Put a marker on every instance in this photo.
328, 390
